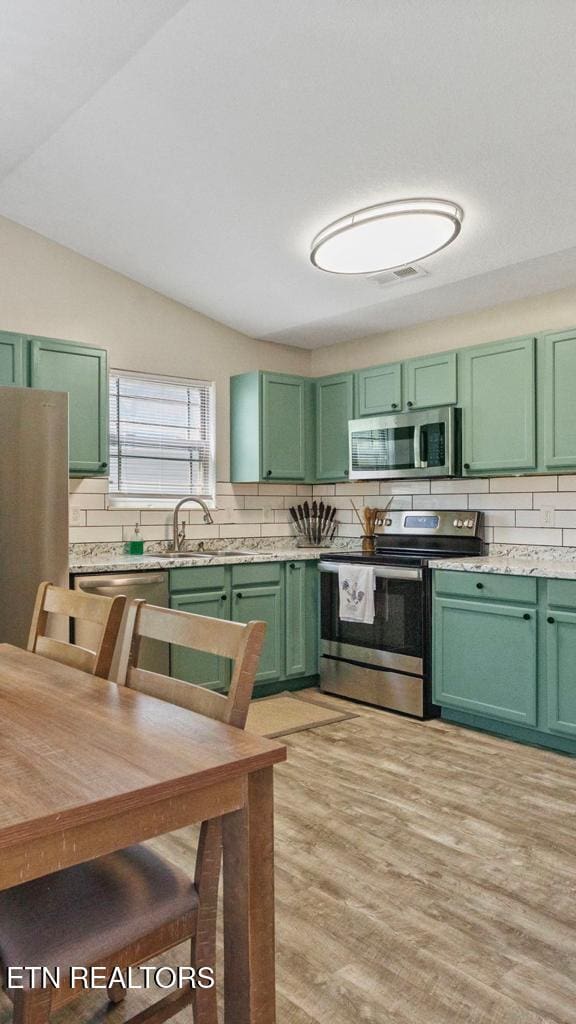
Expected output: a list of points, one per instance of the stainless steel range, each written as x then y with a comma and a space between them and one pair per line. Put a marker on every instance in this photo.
387, 662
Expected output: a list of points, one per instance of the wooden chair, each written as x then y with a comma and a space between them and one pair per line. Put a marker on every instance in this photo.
129, 907
105, 612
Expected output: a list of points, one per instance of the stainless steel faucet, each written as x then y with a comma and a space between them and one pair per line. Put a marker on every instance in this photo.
179, 538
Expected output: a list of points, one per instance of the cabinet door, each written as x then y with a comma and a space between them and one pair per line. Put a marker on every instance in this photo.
264, 604
557, 359
379, 389
334, 407
13, 352
431, 381
485, 659
198, 666
498, 394
285, 415
82, 372
561, 671
301, 619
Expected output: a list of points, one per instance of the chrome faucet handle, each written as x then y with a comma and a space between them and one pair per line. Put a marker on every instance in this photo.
181, 534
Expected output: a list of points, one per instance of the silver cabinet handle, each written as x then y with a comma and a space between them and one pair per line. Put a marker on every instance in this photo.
386, 572
121, 582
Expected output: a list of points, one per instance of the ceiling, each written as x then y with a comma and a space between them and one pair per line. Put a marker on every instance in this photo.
198, 146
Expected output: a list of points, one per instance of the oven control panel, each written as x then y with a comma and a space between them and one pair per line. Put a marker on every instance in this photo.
442, 523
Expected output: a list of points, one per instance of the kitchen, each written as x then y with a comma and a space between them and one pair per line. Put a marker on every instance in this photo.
197, 415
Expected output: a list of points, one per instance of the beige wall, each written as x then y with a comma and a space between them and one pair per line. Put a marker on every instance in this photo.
49, 290
555, 310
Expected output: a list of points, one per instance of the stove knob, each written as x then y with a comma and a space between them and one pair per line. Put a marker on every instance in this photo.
458, 523
469, 523
387, 522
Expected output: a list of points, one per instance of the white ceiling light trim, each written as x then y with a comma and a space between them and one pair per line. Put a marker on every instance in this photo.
386, 236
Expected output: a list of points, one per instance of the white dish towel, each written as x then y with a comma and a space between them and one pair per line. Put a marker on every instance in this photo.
356, 586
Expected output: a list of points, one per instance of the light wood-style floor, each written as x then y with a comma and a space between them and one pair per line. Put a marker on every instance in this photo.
426, 874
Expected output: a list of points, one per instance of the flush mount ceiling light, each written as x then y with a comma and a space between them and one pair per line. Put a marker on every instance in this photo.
386, 236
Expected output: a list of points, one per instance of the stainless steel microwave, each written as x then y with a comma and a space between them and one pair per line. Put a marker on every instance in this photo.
407, 444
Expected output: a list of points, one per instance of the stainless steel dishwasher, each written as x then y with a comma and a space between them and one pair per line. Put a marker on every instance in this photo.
152, 587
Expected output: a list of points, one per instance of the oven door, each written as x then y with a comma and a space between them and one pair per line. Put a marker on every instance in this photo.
412, 444
395, 639
381, 663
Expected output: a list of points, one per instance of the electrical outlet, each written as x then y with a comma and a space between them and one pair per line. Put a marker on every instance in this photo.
547, 517
267, 515
77, 517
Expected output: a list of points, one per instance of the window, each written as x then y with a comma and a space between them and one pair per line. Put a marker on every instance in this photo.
161, 438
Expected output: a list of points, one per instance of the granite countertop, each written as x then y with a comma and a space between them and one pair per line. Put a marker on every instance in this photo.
130, 563
557, 568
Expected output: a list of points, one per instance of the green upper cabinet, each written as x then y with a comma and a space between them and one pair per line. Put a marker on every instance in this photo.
431, 381
498, 397
271, 427
485, 658
557, 390
334, 407
81, 371
13, 359
379, 389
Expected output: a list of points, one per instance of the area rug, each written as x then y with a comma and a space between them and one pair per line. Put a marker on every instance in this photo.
283, 714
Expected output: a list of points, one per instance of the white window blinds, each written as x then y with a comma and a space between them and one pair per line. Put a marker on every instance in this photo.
161, 437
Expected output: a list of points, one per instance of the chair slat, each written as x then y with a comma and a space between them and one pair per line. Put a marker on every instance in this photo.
66, 654
76, 605
176, 691
200, 632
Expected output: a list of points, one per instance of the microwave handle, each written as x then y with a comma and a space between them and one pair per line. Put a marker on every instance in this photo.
418, 464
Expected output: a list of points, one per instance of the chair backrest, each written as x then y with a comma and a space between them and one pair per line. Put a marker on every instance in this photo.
240, 642
105, 612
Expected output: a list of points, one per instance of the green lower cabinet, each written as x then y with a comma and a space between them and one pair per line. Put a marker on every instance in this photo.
301, 619
485, 659
197, 666
82, 371
13, 360
265, 604
561, 671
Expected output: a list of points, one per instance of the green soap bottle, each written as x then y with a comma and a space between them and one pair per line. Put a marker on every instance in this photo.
135, 546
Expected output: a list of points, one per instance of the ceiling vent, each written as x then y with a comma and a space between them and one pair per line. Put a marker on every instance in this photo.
407, 273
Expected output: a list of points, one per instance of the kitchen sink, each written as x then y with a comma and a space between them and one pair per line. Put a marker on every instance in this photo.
182, 554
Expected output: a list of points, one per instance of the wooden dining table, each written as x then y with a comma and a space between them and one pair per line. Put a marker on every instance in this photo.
89, 767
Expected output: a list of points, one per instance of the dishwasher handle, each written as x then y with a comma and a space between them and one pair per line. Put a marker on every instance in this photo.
121, 582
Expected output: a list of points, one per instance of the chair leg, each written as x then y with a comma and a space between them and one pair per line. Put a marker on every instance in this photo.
204, 1002
32, 1006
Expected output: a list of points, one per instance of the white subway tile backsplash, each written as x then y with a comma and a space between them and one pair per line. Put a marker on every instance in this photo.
565, 483
404, 487
494, 501
88, 485
555, 499
240, 531
525, 535
359, 487
432, 501
108, 517
468, 486
266, 501
524, 483
82, 499
511, 505
87, 534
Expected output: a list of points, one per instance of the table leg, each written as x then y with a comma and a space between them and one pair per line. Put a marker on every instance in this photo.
248, 869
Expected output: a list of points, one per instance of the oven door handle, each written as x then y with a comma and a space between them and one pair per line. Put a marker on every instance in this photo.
385, 572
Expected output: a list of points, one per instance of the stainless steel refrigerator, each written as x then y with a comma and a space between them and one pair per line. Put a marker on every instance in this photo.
33, 502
